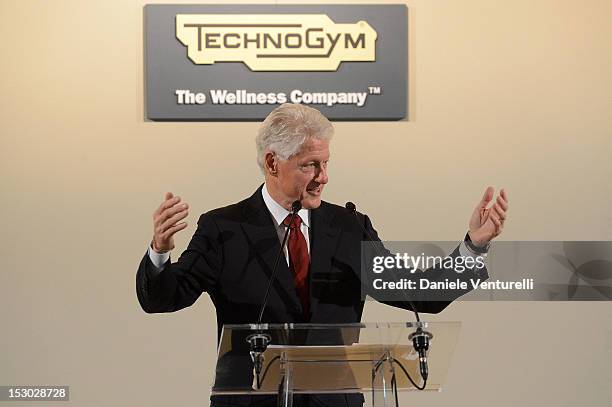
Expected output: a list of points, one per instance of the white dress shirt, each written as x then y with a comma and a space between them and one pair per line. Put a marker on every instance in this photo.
278, 217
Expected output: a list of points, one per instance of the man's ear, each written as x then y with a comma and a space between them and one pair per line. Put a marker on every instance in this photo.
270, 163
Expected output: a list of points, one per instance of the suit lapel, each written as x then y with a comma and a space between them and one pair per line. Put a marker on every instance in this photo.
324, 239
264, 244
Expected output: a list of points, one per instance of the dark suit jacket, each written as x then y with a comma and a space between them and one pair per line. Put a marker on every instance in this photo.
231, 257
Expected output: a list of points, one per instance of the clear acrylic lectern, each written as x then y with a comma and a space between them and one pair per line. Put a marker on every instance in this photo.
333, 358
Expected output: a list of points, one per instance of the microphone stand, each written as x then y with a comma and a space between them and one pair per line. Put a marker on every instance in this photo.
420, 338
259, 341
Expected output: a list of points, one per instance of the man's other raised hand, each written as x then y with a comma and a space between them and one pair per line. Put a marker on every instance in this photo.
167, 221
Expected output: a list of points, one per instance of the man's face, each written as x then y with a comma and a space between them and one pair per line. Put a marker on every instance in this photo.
303, 176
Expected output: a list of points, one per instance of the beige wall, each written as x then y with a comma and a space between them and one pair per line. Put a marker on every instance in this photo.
514, 94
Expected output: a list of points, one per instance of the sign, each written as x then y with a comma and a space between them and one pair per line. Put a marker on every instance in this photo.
238, 62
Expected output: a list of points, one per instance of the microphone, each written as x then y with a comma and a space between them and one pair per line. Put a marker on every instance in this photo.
259, 341
351, 207
420, 342
295, 207
420, 338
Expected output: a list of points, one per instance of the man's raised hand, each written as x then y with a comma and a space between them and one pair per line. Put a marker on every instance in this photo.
166, 222
487, 222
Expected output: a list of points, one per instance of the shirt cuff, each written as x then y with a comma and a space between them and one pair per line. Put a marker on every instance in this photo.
158, 259
464, 251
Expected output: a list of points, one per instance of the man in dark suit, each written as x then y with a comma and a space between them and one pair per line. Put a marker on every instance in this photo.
232, 252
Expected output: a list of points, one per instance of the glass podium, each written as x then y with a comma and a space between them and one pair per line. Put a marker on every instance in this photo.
332, 358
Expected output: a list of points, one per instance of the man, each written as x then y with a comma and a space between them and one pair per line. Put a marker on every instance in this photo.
232, 252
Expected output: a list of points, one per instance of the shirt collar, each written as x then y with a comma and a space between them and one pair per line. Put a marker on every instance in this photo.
279, 213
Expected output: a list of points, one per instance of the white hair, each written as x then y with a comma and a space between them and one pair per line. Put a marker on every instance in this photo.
287, 128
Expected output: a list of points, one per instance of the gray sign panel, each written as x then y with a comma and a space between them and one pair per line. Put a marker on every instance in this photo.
238, 62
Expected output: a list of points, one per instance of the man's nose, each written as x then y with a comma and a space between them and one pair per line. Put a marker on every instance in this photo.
322, 177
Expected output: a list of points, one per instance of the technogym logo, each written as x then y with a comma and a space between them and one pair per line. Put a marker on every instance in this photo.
275, 42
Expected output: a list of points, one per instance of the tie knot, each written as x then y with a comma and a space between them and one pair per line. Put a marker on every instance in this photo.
297, 221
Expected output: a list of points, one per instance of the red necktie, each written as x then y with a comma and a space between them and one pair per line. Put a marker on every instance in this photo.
299, 261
